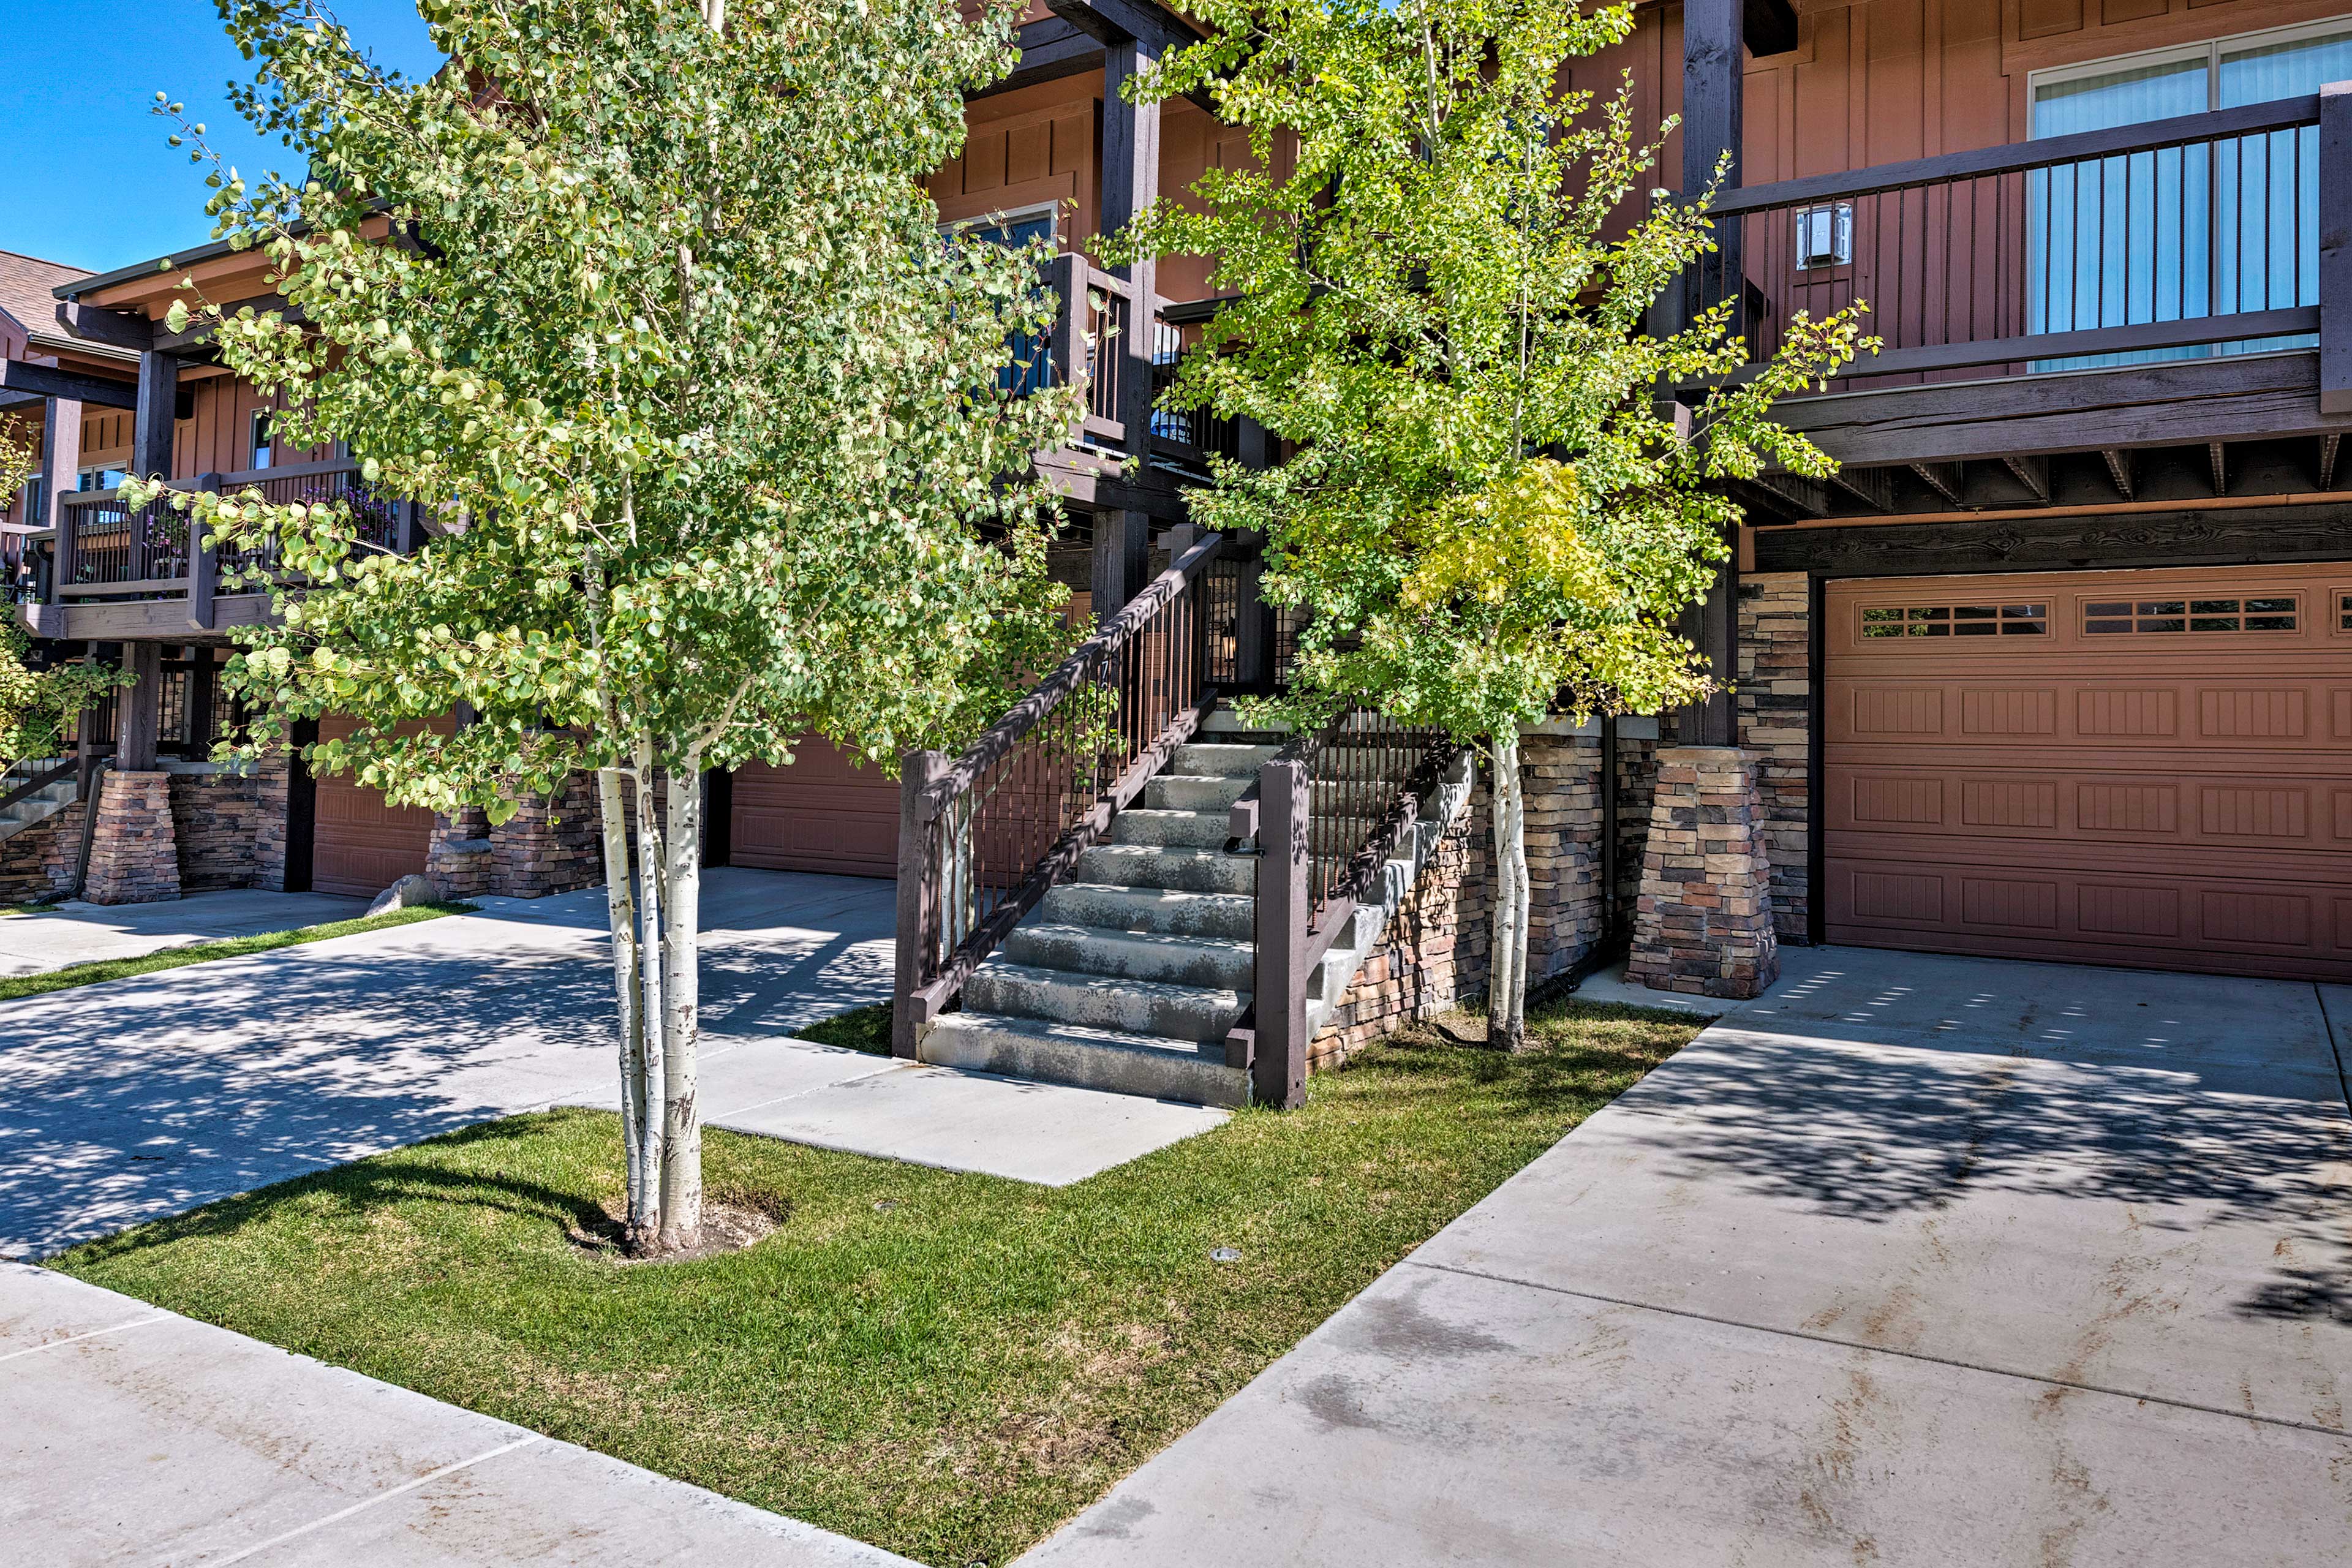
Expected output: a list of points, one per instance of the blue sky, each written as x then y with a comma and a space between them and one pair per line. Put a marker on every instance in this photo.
85, 177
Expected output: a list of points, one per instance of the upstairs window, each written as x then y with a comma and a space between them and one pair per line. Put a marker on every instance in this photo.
258, 448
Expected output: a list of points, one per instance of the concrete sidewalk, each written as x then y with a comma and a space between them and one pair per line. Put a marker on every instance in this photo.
1914, 1260
129, 1434
150, 1095
35, 941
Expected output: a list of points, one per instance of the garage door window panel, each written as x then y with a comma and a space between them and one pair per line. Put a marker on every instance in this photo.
1955, 620
2269, 613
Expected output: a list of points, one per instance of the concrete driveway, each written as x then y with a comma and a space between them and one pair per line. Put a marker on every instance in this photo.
38, 941
148, 1096
1914, 1260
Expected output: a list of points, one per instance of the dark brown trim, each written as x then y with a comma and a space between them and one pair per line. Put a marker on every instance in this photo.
1816, 753
2265, 396
2194, 536
113, 328
45, 381
2246, 119
301, 808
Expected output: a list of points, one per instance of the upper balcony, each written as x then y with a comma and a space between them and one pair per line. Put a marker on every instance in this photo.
2158, 312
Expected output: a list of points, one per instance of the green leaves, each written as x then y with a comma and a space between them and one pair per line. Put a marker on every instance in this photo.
1444, 257
702, 419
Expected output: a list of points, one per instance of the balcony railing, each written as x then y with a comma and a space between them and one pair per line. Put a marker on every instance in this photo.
1094, 339
2174, 238
104, 549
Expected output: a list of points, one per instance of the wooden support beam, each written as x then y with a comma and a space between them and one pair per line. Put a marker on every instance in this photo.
1944, 479
61, 466
2033, 473
1122, 560
2329, 447
1808, 497
2334, 219
2122, 467
2217, 454
137, 725
113, 328
1714, 65
1278, 1073
152, 414
1873, 487
47, 381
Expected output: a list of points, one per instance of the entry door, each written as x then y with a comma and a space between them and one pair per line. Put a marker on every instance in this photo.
2148, 768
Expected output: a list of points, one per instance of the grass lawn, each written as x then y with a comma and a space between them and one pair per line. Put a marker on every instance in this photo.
14, 986
946, 1366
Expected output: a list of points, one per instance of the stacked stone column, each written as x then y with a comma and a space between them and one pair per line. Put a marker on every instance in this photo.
1703, 922
134, 854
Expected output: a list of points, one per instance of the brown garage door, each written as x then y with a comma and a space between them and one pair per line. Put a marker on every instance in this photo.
360, 845
821, 813
2130, 767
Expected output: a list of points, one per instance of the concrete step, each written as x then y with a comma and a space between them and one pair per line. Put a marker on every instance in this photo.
1195, 791
1174, 870
1217, 963
1163, 912
1226, 760
35, 808
1103, 1002
1112, 1059
1180, 829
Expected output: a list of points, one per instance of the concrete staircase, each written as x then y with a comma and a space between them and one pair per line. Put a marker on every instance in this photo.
39, 806
1128, 977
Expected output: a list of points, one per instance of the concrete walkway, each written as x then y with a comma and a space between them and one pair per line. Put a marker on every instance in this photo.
1914, 1260
35, 941
150, 1095
133, 1435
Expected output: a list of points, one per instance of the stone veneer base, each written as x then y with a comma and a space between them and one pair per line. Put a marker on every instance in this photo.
1703, 922
134, 856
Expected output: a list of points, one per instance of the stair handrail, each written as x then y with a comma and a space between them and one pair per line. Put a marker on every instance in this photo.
1069, 756
40, 781
1314, 870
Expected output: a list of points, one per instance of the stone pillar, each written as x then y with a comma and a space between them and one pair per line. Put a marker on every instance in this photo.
1561, 778
1704, 923
459, 857
273, 776
134, 856
553, 845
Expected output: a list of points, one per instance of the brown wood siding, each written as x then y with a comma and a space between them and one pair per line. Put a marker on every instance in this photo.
1037, 144
2175, 799
360, 844
821, 813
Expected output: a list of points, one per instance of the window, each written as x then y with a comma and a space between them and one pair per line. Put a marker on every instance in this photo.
1957, 621
2183, 232
2344, 611
1825, 235
258, 450
2140, 616
1029, 366
100, 478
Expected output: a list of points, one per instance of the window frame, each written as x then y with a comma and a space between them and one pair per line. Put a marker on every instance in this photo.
2210, 51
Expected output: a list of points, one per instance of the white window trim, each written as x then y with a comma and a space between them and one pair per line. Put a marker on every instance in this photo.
2209, 51
1051, 211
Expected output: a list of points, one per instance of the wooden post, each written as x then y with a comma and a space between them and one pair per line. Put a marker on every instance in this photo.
204, 678
150, 422
60, 458
1069, 347
408, 533
1712, 627
1278, 1074
919, 900
138, 719
2335, 218
1122, 560
1131, 183
1714, 60
203, 564
1253, 620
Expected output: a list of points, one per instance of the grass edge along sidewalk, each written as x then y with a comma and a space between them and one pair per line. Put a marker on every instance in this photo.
945, 1365
17, 987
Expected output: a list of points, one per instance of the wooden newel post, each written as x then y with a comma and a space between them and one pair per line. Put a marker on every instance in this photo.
919, 878
1067, 348
1278, 1074
2336, 248
203, 564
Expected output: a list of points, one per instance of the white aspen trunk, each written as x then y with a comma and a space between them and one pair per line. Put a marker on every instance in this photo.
650, 972
620, 912
1522, 918
681, 1205
1507, 946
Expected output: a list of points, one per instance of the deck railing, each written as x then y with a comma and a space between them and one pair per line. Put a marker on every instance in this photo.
985, 834
1325, 814
104, 549
2172, 239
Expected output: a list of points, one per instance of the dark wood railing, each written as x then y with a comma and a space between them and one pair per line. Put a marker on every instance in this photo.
1325, 814
985, 834
1093, 341
2195, 235
104, 549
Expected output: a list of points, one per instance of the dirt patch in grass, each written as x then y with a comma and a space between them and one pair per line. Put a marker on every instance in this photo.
948, 1365
730, 1222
